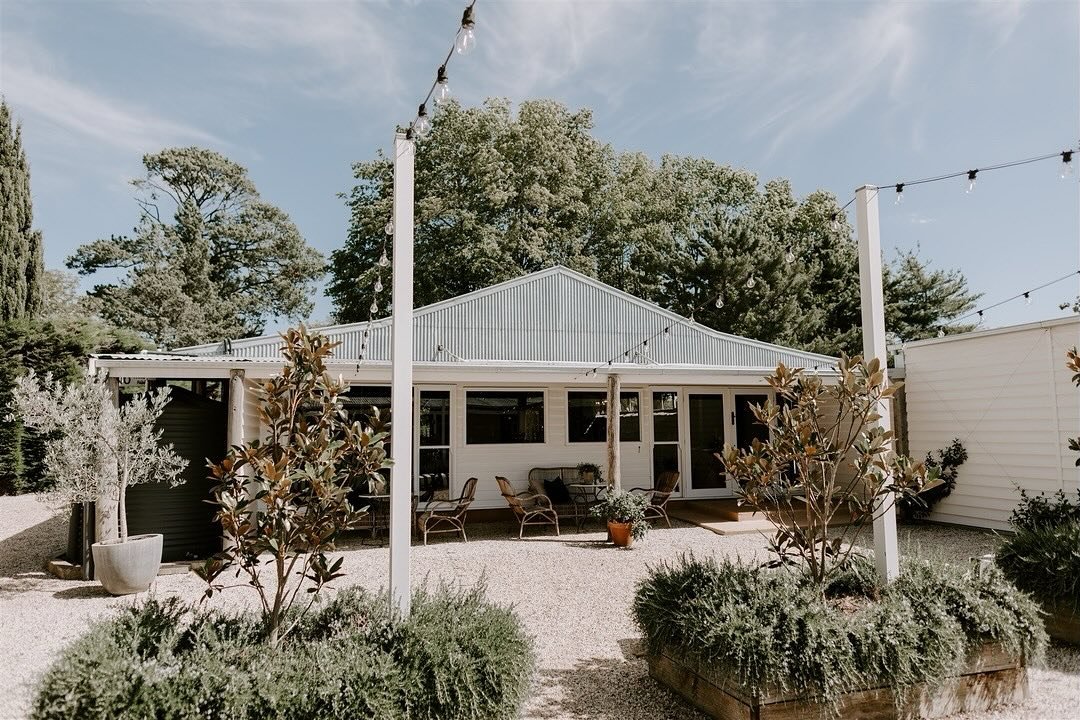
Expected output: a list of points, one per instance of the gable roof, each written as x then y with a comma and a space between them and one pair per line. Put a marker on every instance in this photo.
556, 316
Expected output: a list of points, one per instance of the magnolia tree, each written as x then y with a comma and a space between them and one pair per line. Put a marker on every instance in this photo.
284, 501
97, 450
826, 455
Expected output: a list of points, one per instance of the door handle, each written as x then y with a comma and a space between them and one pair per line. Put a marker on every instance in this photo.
732, 417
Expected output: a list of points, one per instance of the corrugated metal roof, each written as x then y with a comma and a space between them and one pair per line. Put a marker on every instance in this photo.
555, 315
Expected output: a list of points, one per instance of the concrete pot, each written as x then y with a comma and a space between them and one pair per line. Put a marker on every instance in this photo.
128, 567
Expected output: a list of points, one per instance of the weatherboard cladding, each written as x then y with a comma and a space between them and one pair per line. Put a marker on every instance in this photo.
555, 316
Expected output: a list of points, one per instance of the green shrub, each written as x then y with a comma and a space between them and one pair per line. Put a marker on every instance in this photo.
1045, 561
947, 463
773, 630
1040, 511
456, 657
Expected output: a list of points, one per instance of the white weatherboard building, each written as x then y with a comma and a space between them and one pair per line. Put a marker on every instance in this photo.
502, 384
1008, 396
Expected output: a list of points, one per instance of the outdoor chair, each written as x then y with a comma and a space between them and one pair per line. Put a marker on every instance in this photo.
447, 516
659, 496
529, 508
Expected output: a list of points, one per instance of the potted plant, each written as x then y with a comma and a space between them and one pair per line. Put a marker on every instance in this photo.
589, 472
625, 515
96, 452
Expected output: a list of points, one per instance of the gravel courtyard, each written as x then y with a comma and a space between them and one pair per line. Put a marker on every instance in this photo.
572, 592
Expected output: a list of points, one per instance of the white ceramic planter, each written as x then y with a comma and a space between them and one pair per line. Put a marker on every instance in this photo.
129, 567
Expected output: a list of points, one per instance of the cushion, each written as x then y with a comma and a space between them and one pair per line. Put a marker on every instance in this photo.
556, 491
536, 485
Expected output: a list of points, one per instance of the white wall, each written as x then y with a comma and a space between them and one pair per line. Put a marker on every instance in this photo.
1008, 396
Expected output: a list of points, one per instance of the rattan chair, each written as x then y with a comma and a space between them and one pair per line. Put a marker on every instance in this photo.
447, 516
659, 495
529, 508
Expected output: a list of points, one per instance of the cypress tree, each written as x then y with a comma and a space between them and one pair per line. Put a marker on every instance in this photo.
20, 245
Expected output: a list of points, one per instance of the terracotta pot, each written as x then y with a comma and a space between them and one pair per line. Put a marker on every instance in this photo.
129, 567
620, 533
588, 476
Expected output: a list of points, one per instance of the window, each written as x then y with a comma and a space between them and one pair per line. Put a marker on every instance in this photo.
358, 402
587, 416
433, 462
499, 417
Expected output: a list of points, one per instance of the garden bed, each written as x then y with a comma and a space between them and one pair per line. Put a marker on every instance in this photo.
991, 677
742, 641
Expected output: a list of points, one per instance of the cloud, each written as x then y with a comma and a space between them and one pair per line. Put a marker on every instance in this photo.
35, 85
537, 48
342, 50
1003, 16
758, 59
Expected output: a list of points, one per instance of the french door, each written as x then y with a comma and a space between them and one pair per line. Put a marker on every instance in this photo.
696, 424
432, 433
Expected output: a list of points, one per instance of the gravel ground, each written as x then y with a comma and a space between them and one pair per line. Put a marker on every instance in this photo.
572, 592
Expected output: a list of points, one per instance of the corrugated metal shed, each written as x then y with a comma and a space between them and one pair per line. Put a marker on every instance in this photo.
555, 315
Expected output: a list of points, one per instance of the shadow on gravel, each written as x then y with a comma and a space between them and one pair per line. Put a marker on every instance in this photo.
23, 555
607, 689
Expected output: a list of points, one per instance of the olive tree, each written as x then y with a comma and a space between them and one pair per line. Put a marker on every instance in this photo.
284, 501
826, 455
96, 450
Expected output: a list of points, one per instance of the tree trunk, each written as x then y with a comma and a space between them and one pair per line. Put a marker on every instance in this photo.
122, 506
108, 471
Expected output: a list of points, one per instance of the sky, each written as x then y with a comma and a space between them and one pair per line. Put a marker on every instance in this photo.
831, 95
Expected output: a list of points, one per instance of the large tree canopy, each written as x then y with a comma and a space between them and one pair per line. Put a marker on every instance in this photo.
20, 245
222, 264
499, 195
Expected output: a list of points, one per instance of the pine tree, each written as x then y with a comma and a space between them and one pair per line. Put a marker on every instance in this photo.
21, 267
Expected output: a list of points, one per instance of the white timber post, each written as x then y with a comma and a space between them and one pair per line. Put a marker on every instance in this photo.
236, 408
401, 391
614, 388
868, 229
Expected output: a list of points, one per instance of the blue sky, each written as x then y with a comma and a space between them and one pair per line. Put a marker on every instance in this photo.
828, 94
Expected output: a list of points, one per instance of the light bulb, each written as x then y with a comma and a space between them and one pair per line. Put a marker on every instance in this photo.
1027, 298
442, 86
374, 307
899, 193
789, 256
719, 304
941, 333
388, 228
836, 221
466, 37
422, 125
971, 180
751, 283
384, 261
378, 284
1066, 164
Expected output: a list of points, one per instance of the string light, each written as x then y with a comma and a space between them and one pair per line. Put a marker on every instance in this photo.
899, 193
719, 305
383, 260
1027, 298
751, 283
378, 284
971, 180
439, 93
388, 228
1026, 295
1066, 164
442, 86
789, 256
465, 42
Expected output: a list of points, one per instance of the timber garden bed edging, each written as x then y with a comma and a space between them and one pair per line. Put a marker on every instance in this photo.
990, 678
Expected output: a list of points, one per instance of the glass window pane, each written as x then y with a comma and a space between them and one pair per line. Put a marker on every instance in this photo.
665, 458
747, 426
666, 416
434, 417
434, 474
504, 417
587, 416
359, 401
706, 439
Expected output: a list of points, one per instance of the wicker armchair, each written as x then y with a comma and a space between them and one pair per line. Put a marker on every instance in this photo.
447, 516
529, 508
659, 496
